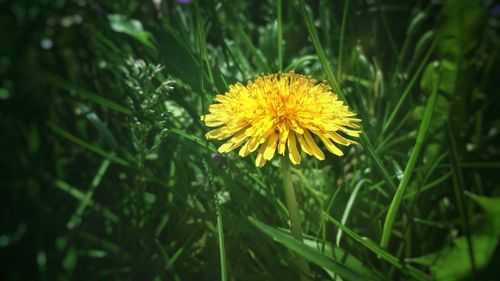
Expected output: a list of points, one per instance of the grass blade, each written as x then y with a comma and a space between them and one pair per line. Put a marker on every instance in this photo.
77, 216
341, 44
458, 189
372, 246
398, 197
313, 34
280, 35
86, 145
310, 253
367, 145
407, 90
222, 250
348, 208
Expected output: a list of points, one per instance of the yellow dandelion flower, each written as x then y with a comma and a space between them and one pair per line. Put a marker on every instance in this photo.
276, 112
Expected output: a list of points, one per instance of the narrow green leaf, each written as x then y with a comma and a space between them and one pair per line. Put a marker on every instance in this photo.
313, 34
86, 145
310, 254
372, 246
348, 208
76, 218
222, 250
408, 172
341, 43
77, 194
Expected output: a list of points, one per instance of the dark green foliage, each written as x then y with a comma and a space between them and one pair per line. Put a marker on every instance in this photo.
106, 174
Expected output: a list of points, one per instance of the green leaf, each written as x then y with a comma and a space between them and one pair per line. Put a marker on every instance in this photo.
453, 263
311, 254
132, 27
491, 206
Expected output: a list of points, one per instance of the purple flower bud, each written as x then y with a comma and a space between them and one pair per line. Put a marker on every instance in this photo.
184, 2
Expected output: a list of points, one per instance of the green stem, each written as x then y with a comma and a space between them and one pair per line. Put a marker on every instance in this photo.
293, 210
280, 35
341, 45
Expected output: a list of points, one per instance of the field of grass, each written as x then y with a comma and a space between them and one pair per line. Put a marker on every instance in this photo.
107, 175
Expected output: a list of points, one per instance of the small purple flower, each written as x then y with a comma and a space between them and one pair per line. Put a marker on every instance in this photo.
184, 2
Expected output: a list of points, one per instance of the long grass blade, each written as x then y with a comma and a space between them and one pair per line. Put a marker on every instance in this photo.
280, 35
398, 197
380, 252
310, 253
86, 145
341, 43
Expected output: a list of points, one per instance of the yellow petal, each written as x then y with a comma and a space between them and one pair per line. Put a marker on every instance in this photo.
351, 133
329, 145
211, 121
282, 141
220, 133
315, 151
233, 143
244, 151
260, 161
253, 143
293, 152
339, 139
270, 146
303, 144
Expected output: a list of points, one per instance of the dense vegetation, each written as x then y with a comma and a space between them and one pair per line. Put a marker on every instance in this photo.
106, 174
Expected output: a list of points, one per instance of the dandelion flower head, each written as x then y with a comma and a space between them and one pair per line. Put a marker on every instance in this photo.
279, 112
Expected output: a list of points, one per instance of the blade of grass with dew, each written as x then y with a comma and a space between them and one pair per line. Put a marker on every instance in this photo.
400, 191
310, 253
372, 246
86, 145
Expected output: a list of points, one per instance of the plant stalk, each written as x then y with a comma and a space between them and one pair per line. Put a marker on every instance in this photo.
293, 211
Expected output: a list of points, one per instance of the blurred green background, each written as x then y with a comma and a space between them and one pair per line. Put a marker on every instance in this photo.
106, 174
